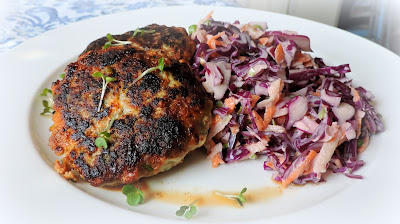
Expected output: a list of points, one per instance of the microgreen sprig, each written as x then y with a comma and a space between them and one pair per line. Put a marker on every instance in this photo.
46, 91
238, 198
192, 29
160, 67
106, 80
104, 136
48, 109
62, 75
255, 27
142, 32
183, 210
322, 113
134, 196
113, 42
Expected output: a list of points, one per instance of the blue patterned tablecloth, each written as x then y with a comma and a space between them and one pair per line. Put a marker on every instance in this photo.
21, 20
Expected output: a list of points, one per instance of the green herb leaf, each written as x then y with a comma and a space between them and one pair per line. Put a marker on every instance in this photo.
127, 189
322, 113
98, 75
46, 91
136, 31
273, 122
101, 142
62, 75
133, 199
106, 80
219, 104
360, 142
105, 134
110, 79
191, 212
161, 64
159, 67
109, 37
107, 45
192, 29
182, 210
148, 167
257, 26
47, 109
134, 196
240, 199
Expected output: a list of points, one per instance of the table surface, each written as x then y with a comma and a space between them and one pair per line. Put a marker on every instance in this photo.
21, 20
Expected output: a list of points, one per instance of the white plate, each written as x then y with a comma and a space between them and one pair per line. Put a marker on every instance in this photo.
31, 191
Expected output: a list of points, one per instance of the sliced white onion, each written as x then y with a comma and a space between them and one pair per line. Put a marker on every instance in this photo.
332, 100
343, 112
306, 124
297, 110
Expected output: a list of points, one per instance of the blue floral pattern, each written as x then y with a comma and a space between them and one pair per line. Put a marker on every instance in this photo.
25, 19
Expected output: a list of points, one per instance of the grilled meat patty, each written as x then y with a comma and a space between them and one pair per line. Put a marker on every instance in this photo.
158, 119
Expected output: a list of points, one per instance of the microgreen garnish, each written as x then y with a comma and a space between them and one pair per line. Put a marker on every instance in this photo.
148, 167
48, 108
273, 122
238, 198
114, 42
257, 26
183, 210
46, 91
192, 29
322, 113
104, 136
62, 75
142, 32
106, 80
219, 104
134, 196
160, 67
360, 142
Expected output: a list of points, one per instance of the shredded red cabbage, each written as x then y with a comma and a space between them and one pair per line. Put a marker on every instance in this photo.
304, 116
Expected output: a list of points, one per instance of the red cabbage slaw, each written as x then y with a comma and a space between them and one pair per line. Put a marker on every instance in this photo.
271, 98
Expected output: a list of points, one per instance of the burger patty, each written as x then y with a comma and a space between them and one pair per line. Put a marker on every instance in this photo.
155, 121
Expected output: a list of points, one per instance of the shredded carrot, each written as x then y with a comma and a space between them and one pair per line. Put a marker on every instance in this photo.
300, 57
356, 96
216, 120
235, 129
209, 15
259, 120
269, 114
216, 160
317, 93
280, 120
279, 54
254, 99
263, 40
242, 58
364, 145
269, 164
298, 171
230, 103
212, 41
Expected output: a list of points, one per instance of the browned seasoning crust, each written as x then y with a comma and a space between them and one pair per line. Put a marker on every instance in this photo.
159, 119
